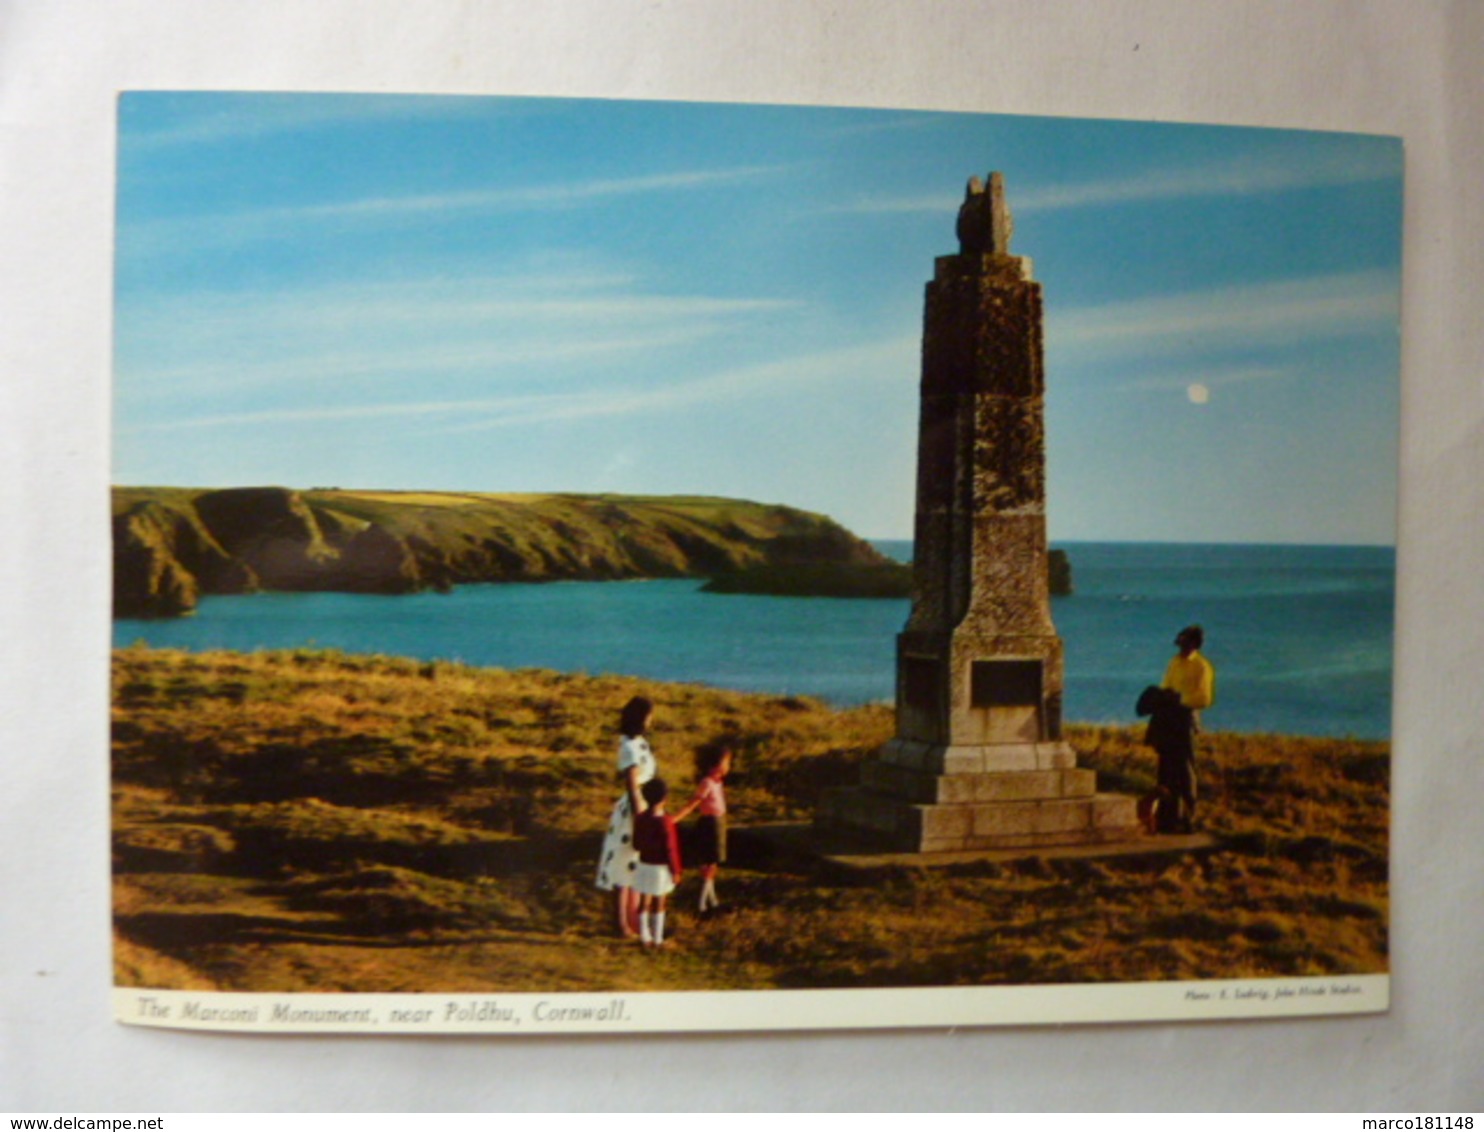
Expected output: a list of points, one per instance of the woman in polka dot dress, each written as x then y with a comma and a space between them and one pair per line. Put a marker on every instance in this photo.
619, 860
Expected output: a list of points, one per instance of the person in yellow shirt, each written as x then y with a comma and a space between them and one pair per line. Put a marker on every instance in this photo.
1191, 676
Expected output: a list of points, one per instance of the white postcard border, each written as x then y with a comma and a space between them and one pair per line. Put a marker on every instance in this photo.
524, 1014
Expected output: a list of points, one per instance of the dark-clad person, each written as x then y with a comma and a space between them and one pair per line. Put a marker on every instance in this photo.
1190, 676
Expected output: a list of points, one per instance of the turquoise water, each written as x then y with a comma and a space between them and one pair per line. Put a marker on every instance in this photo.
1301, 637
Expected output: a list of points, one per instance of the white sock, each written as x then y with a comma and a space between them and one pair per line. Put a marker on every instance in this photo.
659, 928
644, 936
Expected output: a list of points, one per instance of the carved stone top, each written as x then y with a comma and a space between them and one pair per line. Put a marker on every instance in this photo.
984, 221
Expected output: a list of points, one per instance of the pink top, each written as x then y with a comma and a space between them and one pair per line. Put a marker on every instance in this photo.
712, 797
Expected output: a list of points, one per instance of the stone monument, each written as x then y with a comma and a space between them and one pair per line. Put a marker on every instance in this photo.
978, 761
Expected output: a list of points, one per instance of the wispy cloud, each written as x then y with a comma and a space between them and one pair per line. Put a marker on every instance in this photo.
887, 359
1263, 314
218, 324
1237, 178
175, 234
362, 369
879, 123
239, 117
401, 410
429, 354
520, 198
353, 335
1271, 174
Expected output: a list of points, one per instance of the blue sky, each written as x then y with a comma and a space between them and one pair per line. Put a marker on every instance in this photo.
556, 295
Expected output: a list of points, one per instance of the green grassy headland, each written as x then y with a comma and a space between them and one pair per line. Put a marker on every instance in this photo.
173, 545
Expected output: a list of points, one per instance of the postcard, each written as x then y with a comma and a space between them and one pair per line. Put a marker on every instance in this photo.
602, 566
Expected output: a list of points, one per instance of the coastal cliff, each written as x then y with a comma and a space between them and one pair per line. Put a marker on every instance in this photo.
174, 545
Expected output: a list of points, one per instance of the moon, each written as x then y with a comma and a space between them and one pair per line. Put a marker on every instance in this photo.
1198, 393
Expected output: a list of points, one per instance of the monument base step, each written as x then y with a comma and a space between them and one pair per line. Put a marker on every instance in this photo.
982, 758
925, 787
898, 825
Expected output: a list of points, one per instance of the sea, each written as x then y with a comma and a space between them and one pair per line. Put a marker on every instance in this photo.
1300, 636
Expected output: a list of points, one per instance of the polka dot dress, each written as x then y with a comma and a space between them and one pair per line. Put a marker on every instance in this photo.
619, 861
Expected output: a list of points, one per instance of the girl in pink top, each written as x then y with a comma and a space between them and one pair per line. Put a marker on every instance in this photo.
713, 764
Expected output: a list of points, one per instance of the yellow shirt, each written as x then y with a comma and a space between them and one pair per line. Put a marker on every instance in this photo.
1194, 678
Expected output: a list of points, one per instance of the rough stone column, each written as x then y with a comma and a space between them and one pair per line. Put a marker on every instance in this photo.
979, 661
978, 760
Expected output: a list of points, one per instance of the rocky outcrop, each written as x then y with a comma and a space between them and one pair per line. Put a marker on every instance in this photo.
826, 579
1059, 572
172, 546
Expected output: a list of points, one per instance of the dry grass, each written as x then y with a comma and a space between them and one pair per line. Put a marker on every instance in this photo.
317, 821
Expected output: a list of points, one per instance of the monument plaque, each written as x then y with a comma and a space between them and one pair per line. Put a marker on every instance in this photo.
978, 761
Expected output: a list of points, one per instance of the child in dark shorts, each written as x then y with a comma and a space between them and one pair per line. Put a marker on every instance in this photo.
713, 764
